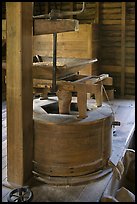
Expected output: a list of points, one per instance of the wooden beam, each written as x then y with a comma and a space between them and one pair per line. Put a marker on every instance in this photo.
3, 29
81, 100
71, 5
123, 28
114, 69
64, 98
19, 92
97, 12
46, 7
46, 26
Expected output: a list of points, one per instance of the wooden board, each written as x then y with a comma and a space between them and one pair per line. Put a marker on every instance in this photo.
46, 26
3, 29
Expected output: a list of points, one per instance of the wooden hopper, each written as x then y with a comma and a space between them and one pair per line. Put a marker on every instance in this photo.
65, 67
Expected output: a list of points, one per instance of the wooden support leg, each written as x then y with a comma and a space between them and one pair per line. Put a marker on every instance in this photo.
19, 92
98, 94
44, 94
64, 101
82, 101
108, 93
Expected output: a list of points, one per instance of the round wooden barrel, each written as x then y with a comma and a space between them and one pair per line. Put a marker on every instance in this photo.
65, 145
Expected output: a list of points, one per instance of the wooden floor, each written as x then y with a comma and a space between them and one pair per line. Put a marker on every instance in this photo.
125, 113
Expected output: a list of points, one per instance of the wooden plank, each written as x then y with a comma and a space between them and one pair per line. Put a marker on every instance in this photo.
19, 91
70, 7
111, 5
130, 22
130, 56
111, 11
130, 27
86, 18
97, 20
46, 7
111, 27
111, 22
123, 33
46, 26
69, 44
108, 68
111, 16
3, 28
82, 104
111, 39
109, 33
130, 50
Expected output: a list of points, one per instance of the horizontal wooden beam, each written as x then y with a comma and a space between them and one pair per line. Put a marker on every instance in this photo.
46, 26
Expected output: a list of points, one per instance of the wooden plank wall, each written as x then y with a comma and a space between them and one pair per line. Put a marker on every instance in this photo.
110, 41
130, 49
40, 8
89, 14
117, 37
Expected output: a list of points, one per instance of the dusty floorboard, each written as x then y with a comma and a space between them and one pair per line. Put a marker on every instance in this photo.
125, 113
4, 121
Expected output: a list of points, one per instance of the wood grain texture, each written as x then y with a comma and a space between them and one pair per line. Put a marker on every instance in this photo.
82, 44
19, 91
44, 26
71, 149
65, 66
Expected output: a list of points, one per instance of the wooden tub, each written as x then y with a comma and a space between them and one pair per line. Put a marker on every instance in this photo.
66, 146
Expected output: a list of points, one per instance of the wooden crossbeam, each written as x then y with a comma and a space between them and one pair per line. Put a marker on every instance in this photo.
46, 26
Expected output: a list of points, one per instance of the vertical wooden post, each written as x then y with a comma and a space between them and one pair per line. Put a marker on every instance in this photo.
81, 100
97, 12
71, 4
46, 7
64, 100
123, 25
98, 94
19, 92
